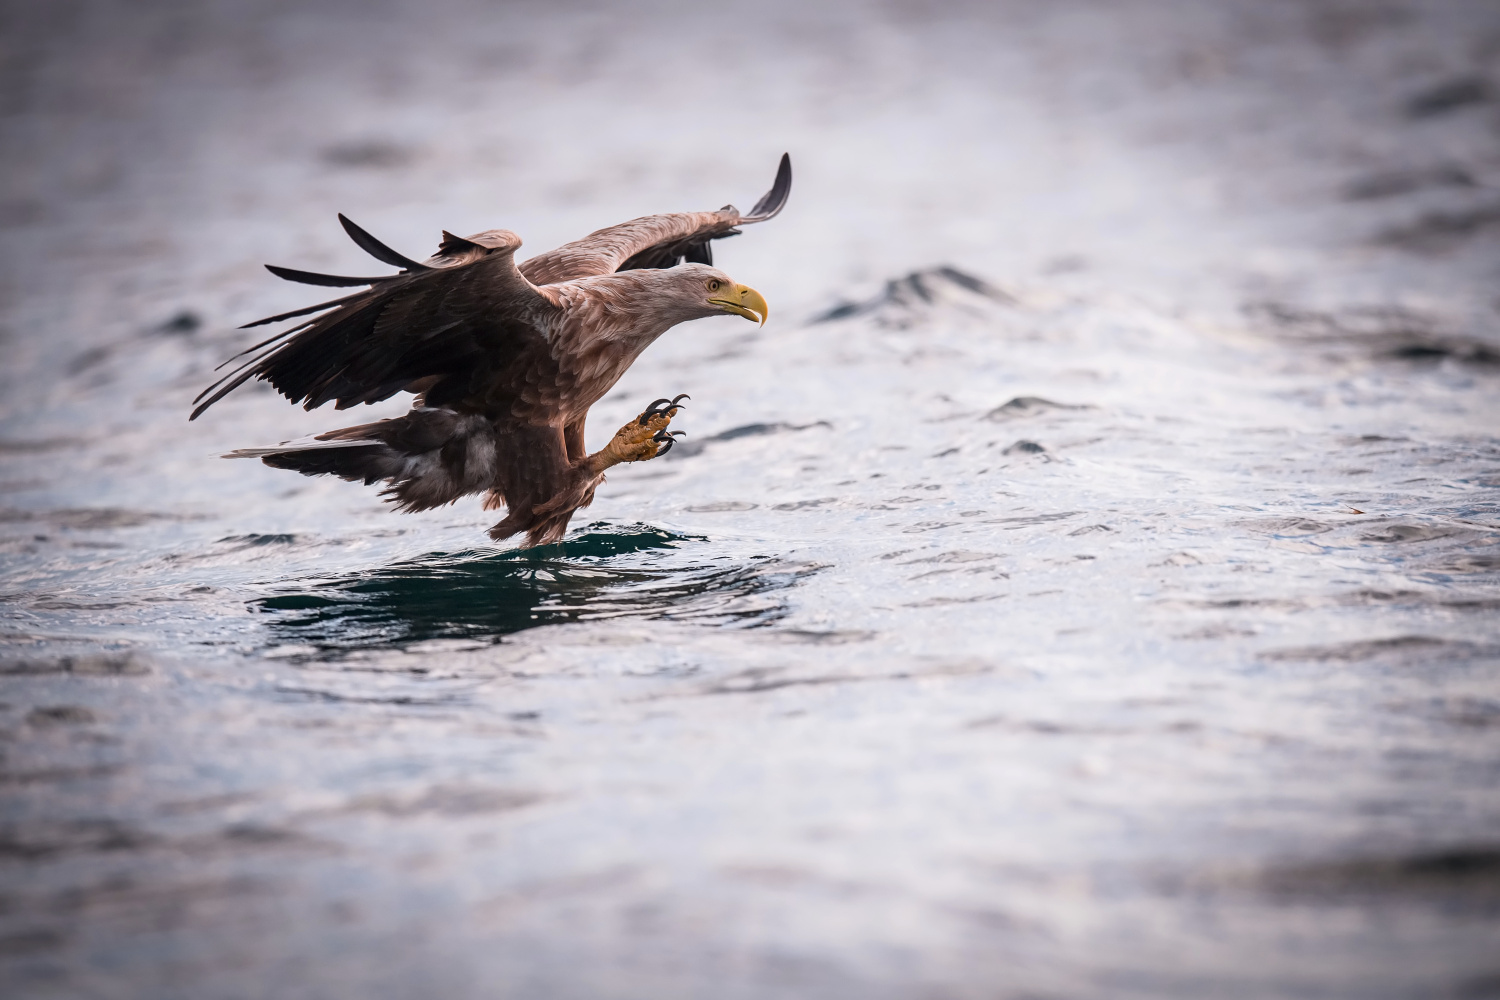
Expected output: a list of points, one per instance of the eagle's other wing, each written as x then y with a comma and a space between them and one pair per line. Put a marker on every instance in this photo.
655, 240
466, 312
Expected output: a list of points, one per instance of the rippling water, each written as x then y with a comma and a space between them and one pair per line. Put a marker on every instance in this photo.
1085, 585
487, 595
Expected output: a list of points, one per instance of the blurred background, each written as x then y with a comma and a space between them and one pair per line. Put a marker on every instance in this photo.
1085, 585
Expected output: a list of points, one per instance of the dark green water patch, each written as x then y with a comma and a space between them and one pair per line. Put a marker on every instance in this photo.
607, 572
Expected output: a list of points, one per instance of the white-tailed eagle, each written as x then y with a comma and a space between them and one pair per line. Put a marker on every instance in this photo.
505, 360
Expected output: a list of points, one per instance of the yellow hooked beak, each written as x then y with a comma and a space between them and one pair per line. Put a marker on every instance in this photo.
742, 300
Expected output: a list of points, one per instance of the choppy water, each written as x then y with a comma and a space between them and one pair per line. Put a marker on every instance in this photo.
1085, 585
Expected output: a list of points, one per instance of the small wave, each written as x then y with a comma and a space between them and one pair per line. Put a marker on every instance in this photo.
256, 540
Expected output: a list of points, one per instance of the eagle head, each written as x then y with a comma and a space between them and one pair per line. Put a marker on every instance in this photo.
707, 291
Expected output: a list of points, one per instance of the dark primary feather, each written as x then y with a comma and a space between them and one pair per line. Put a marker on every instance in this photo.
366, 242
313, 278
297, 312
775, 199
377, 249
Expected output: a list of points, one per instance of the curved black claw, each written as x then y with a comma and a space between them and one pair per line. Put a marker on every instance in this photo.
667, 439
662, 406
652, 411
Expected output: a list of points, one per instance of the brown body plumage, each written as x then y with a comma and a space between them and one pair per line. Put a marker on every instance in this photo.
505, 360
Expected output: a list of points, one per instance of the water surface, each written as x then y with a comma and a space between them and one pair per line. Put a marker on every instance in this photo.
1085, 585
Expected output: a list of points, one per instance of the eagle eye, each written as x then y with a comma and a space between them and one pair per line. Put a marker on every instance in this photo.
713, 284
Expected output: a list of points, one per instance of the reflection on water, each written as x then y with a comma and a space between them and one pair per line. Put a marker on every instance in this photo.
478, 595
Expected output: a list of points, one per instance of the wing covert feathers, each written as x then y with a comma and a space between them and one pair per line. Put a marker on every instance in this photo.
452, 322
655, 240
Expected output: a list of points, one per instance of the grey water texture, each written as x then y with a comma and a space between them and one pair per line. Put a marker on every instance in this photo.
1086, 584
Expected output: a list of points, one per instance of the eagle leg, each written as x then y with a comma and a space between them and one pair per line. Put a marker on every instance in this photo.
640, 440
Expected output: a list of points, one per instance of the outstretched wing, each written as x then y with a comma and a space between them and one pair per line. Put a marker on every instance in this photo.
655, 240
449, 322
